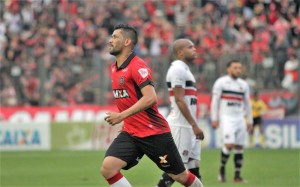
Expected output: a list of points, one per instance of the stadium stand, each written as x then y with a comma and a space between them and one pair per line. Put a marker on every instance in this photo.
54, 52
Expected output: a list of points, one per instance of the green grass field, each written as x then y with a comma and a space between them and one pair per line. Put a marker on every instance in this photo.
262, 168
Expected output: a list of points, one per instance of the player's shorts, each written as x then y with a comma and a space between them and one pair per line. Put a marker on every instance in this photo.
161, 149
257, 120
233, 132
187, 145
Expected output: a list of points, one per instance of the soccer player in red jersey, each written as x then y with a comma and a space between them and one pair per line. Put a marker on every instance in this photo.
145, 130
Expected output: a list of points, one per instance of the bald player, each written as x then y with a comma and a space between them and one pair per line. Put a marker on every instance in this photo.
182, 118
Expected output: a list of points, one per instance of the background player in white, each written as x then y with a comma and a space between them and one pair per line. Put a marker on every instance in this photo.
182, 118
230, 103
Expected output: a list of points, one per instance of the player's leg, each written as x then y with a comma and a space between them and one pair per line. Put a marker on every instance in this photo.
110, 170
162, 150
238, 152
194, 161
261, 133
184, 140
122, 154
238, 162
228, 134
251, 134
186, 178
165, 181
194, 167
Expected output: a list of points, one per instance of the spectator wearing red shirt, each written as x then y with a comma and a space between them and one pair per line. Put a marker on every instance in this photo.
291, 74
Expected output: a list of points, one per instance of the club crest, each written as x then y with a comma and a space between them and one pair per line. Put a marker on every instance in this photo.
121, 81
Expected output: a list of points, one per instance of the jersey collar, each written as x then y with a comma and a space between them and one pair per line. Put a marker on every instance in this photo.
126, 62
182, 64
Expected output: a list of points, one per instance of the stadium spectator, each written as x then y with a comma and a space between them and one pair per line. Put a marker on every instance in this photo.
45, 32
291, 74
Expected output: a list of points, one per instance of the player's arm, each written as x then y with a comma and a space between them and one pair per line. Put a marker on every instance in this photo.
215, 101
146, 101
179, 99
248, 109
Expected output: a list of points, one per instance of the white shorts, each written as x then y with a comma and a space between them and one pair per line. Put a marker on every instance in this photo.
186, 142
233, 132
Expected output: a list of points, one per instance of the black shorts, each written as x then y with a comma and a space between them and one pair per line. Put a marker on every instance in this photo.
257, 121
161, 149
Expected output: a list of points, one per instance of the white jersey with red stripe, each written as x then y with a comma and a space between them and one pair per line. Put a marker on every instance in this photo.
231, 100
179, 75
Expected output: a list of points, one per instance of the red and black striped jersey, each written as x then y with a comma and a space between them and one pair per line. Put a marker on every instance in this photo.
127, 82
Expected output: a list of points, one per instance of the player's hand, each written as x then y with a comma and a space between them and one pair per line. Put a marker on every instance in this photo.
198, 132
113, 118
215, 124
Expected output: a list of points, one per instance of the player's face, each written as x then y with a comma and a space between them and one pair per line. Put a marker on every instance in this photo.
235, 70
189, 51
116, 43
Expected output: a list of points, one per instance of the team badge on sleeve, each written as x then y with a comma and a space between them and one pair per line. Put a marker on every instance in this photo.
143, 72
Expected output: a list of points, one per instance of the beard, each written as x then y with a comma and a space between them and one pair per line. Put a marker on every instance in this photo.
190, 59
235, 76
115, 52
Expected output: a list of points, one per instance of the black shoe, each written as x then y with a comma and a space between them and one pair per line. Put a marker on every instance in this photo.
238, 180
221, 177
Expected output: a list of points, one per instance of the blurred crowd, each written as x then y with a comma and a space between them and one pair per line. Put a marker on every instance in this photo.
54, 52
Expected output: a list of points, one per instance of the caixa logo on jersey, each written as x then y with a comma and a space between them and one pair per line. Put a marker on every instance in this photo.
120, 93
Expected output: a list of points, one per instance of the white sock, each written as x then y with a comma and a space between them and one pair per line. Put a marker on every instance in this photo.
196, 183
193, 181
123, 182
118, 181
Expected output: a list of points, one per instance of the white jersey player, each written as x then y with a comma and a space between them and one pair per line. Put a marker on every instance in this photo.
179, 75
229, 107
182, 117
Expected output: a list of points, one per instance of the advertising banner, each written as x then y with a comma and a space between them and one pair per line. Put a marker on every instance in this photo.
283, 133
83, 136
84, 128
80, 113
25, 136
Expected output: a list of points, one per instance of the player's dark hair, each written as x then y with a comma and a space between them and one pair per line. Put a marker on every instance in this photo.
128, 31
231, 62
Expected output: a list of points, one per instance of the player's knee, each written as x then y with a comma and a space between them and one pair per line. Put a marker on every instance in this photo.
238, 147
111, 166
229, 146
107, 170
104, 170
